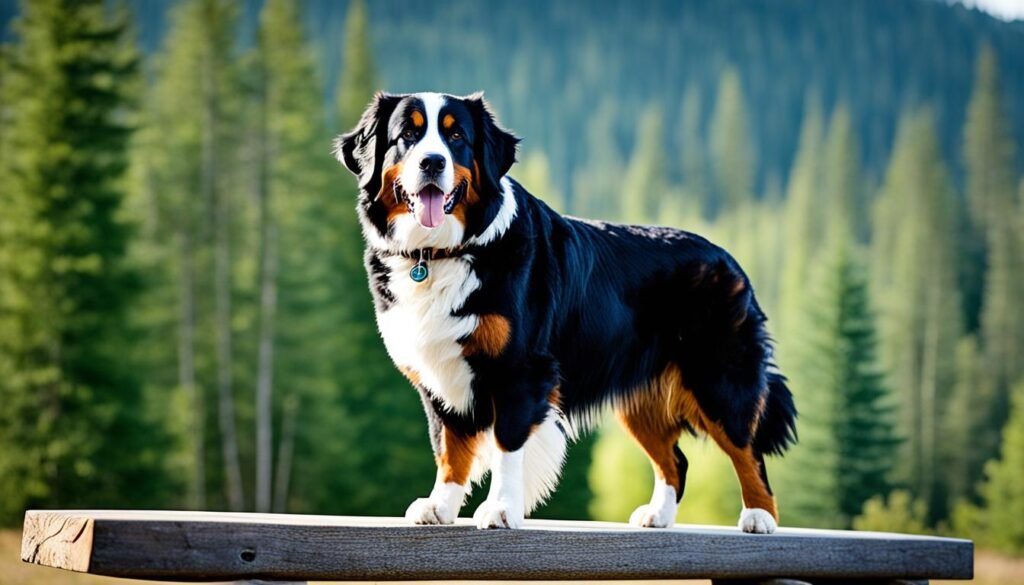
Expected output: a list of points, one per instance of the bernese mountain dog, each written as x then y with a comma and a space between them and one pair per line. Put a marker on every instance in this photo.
519, 326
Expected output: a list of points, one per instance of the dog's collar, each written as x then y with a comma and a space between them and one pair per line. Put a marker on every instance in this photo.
421, 271
433, 253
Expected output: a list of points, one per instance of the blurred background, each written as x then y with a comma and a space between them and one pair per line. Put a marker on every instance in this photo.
185, 320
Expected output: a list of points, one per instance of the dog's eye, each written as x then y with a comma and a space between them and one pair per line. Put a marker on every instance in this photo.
408, 135
456, 135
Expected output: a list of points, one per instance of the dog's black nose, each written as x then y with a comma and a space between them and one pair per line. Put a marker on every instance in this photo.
432, 164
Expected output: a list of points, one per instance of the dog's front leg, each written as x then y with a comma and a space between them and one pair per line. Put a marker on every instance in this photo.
505, 505
515, 420
455, 458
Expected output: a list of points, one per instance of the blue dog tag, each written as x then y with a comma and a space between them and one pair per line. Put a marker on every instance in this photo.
419, 272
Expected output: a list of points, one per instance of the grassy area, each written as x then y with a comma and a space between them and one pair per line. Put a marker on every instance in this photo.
990, 569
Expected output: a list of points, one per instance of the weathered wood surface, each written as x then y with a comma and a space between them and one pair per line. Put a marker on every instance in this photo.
206, 546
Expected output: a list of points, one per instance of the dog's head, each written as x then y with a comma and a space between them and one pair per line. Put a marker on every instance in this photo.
429, 167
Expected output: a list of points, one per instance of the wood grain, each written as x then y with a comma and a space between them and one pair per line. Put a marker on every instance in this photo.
58, 540
197, 546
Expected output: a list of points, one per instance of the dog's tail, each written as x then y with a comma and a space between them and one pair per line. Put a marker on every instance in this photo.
776, 430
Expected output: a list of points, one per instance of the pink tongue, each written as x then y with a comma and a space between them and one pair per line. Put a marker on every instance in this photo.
430, 212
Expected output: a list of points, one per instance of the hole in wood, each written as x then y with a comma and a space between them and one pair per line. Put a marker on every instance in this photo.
248, 555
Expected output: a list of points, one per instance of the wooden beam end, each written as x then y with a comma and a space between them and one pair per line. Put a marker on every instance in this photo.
57, 540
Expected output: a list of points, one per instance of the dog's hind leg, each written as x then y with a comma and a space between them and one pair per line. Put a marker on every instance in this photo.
650, 417
759, 513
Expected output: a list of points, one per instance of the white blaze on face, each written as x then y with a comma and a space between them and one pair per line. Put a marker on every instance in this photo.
414, 182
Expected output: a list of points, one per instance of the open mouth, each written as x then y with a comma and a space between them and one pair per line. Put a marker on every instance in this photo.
431, 204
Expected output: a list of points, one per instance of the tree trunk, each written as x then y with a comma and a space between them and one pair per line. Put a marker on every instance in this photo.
222, 286
290, 412
187, 370
929, 396
265, 371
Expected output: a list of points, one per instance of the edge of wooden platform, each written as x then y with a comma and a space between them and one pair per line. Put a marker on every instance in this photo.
223, 546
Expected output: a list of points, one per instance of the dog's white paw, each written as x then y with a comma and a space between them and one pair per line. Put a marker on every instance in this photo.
429, 511
757, 521
648, 516
498, 514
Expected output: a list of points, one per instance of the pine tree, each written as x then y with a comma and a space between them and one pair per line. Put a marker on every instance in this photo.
1002, 320
848, 443
645, 182
989, 159
990, 155
358, 71
968, 428
692, 156
804, 219
5, 108
989, 152
291, 182
840, 179
596, 186
534, 173
188, 152
381, 409
1003, 490
733, 158
914, 283
65, 289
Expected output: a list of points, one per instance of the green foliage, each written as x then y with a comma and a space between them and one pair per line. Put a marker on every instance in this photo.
900, 512
968, 415
294, 171
596, 185
804, 220
646, 174
65, 289
534, 173
733, 157
358, 78
918, 301
107, 331
1003, 490
693, 161
846, 208
712, 490
620, 476
989, 150
847, 428
186, 179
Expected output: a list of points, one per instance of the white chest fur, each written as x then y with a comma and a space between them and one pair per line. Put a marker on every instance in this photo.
421, 333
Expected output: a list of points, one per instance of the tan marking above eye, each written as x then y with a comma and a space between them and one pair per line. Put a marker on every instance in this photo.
448, 121
417, 119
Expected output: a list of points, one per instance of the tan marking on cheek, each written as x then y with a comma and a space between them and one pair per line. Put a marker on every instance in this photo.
448, 121
470, 197
490, 336
387, 195
417, 119
456, 459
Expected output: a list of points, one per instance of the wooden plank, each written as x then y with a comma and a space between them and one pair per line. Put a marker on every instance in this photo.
57, 540
196, 546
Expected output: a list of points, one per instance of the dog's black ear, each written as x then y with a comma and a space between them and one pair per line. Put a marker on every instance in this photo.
362, 149
494, 147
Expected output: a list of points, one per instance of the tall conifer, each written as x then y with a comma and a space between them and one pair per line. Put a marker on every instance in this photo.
65, 290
